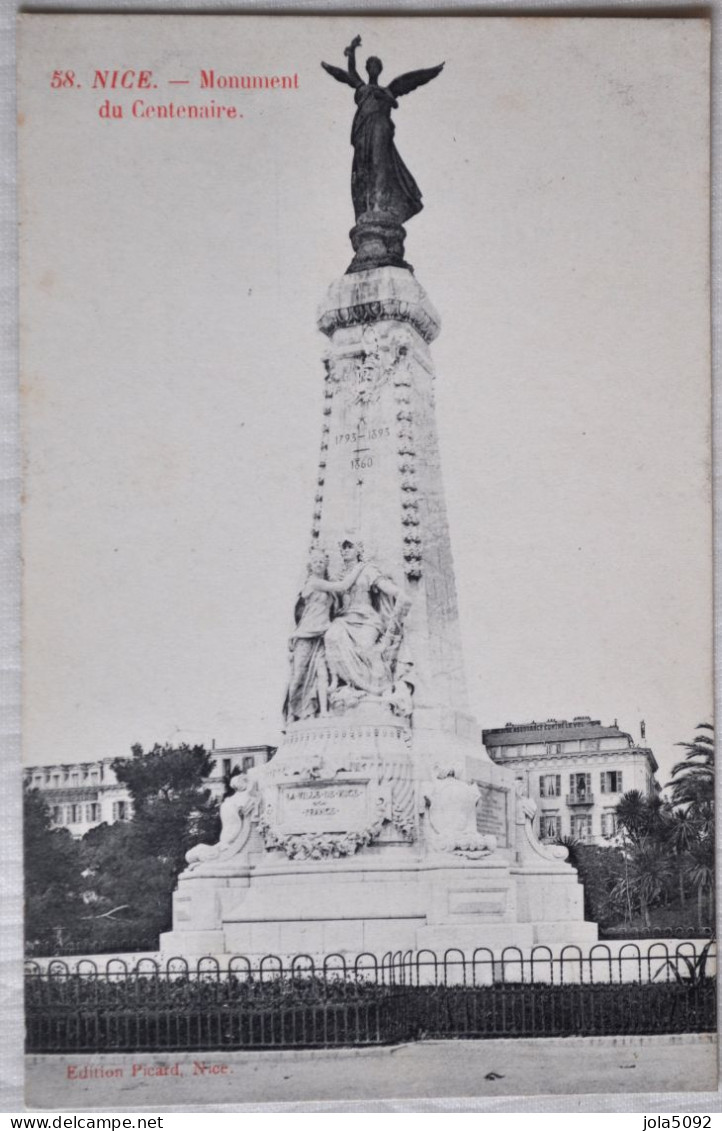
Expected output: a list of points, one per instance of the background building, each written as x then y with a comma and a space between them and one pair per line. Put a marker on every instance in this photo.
575, 771
82, 795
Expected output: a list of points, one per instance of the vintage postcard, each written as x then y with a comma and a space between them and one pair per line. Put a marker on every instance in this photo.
367, 558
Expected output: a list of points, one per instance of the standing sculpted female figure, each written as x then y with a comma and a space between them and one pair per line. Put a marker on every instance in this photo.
308, 683
380, 182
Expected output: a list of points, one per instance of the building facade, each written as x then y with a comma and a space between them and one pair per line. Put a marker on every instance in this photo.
576, 772
81, 795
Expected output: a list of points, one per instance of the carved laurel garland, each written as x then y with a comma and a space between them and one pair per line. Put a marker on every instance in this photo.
407, 462
319, 846
394, 804
393, 309
404, 822
330, 380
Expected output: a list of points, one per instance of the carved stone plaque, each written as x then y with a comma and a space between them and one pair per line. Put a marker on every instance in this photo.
492, 813
323, 806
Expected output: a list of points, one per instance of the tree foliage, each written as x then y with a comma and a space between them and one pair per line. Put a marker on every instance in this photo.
112, 891
668, 846
659, 876
692, 785
53, 881
600, 869
132, 866
172, 806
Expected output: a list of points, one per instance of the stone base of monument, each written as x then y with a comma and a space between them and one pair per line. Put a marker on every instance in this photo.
377, 903
357, 841
350, 912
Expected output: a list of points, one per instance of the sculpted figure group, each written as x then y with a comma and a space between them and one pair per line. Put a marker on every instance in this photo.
348, 641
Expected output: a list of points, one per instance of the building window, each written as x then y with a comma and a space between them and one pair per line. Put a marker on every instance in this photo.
580, 787
581, 826
92, 811
75, 779
609, 823
248, 762
550, 826
120, 810
611, 781
56, 779
94, 776
554, 747
57, 814
550, 785
591, 744
73, 814
227, 767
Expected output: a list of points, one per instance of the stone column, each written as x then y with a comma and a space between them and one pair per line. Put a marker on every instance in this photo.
380, 474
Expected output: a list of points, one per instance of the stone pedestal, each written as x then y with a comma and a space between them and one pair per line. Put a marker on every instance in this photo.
381, 824
379, 900
378, 241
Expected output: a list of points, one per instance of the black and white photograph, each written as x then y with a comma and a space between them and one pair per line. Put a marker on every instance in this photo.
367, 558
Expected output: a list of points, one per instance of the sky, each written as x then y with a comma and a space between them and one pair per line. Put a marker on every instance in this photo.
172, 376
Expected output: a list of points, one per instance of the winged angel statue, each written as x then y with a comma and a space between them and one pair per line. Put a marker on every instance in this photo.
380, 182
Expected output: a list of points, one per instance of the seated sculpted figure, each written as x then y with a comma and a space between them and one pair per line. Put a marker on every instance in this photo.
307, 693
528, 845
235, 813
364, 640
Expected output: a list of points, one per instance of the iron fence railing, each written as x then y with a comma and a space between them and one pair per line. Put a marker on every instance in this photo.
301, 1003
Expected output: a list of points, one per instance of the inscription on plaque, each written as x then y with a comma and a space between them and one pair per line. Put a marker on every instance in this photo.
491, 814
323, 807
470, 902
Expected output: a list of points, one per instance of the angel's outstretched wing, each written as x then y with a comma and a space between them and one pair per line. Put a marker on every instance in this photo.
404, 84
341, 75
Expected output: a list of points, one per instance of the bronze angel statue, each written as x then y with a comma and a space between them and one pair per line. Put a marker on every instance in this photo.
380, 182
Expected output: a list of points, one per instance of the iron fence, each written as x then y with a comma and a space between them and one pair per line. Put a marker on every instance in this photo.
302, 1003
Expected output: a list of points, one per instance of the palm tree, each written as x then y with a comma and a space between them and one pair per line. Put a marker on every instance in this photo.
640, 818
662, 840
701, 875
649, 879
633, 816
692, 793
645, 880
681, 833
693, 780
643, 824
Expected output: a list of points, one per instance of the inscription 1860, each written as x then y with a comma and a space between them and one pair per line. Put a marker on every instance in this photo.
361, 438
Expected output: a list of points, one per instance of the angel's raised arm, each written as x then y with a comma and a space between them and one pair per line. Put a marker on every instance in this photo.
352, 79
404, 84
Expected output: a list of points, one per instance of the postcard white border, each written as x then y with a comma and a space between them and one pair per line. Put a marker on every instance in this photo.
11, 1058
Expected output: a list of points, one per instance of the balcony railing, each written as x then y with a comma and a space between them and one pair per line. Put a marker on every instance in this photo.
580, 798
